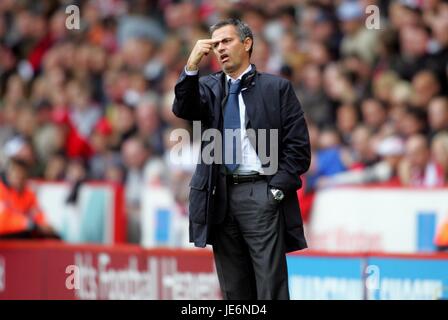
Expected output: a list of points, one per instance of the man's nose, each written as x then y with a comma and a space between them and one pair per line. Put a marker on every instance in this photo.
220, 47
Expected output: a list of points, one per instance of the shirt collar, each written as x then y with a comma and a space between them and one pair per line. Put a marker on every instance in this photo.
241, 75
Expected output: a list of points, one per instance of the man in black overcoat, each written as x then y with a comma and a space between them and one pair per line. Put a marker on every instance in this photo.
244, 202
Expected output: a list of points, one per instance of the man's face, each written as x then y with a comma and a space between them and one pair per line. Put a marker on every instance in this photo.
134, 155
231, 52
17, 176
438, 114
417, 152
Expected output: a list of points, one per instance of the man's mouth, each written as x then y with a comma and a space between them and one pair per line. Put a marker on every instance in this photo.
224, 58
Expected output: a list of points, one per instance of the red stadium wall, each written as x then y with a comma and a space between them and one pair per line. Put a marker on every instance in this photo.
56, 270
52, 270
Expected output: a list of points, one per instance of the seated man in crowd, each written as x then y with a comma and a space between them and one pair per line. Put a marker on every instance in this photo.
20, 215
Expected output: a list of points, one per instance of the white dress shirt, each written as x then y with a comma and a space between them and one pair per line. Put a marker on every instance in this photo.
250, 160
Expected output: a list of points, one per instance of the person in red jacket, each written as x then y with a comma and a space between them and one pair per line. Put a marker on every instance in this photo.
441, 239
20, 214
75, 145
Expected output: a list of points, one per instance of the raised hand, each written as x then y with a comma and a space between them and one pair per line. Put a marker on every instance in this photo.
201, 49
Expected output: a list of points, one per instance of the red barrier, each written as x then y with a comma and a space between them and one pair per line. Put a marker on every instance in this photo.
54, 270
376, 254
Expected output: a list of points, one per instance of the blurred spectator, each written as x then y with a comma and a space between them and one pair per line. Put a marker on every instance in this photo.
312, 97
324, 30
441, 239
374, 114
357, 38
329, 158
387, 48
439, 151
337, 86
346, 120
83, 114
123, 121
20, 214
103, 156
414, 55
417, 169
425, 86
69, 140
143, 169
55, 167
358, 72
438, 115
383, 85
44, 130
22, 148
180, 158
390, 151
413, 121
76, 171
439, 60
362, 151
148, 122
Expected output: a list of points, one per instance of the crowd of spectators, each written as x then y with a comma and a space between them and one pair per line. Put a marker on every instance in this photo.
94, 103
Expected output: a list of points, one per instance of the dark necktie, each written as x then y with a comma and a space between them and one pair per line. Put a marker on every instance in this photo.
232, 122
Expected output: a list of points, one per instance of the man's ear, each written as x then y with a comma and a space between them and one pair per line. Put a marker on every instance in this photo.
247, 43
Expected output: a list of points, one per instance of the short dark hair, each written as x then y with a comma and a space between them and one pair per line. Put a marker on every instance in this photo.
19, 163
241, 27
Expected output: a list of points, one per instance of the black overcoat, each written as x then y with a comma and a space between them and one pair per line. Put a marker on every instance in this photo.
271, 103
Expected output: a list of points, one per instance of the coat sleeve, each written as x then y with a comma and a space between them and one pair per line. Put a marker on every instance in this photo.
295, 152
189, 103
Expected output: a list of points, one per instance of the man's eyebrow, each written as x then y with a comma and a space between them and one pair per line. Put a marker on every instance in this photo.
223, 39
